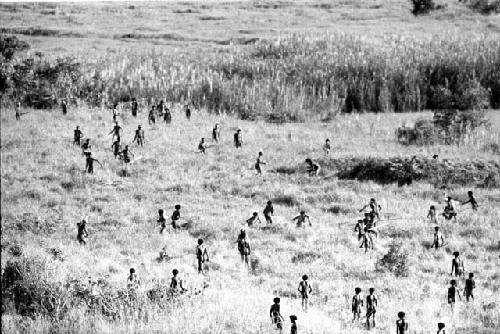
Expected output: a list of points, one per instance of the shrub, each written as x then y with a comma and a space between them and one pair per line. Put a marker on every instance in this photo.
485, 6
286, 199
302, 257
422, 6
395, 261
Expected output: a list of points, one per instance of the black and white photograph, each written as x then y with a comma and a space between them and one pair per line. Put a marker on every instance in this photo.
250, 167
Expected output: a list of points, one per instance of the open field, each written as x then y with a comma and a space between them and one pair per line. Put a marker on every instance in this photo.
175, 50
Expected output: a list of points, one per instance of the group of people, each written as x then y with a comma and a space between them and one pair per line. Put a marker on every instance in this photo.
366, 228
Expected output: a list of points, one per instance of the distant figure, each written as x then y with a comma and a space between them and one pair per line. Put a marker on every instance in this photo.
132, 280
301, 219
77, 136
259, 163
151, 115
313, 167
238, 142
438, 241
18, 111
452, 292
64, 107
268, 212
126, 155
327, 147
135, 107
90, 162
371, 307
167, 116
305, 290
116, 147
293, 329
115, 112
176, 284
116, 132
202, 146
441, 328
188, 112
139, 136
471, 200
201, 255
162, 221
176, 215
254, 219
449, 210
360, 228
470, 285
275, 314
160, 108
432, 215
357, 303
82, 233
375, 208
243, 246
86, 147
401, 324
367, 242
216, 133
457, 265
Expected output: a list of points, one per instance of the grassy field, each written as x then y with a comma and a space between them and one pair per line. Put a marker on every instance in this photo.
45, 192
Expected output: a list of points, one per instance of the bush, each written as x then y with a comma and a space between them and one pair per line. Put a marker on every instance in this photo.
305, 257
395, 261
422, 6
485, 6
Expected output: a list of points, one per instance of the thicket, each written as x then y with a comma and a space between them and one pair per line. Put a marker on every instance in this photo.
485, 6
299, 76
442, 173
36, 80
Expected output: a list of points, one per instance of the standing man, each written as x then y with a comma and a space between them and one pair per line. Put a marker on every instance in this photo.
135, 107
139, 136
216, 133
305, 290
77, 136
268, 212
238, 142
371, 307
201, 255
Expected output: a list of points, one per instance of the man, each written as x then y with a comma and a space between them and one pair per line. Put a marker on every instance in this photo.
313, 168
254, 219
441, 327
275, 315
160, 108
259, 162
167, 116
116, 131
82, 233
201, 255
64, 107
18, 111
77, 136
126, 155
176, 215
293, 329
367, 242
401, 324
116, 147
268, 212
89, 160
457, 265
327, 147
216, 133
301, 219
305, 290
438, 239
470, 285
244, 247
360, 228
357, 303
375, 208
176, 286
132, 281
452, 292
188, 112
449, 210
202, 146
115, 112
432, 216
238, 141
86, 147
371, 307
471, 200
135, 107
139, 136
161, 220
151, 115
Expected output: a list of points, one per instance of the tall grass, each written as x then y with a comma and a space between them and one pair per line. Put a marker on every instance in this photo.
303, 76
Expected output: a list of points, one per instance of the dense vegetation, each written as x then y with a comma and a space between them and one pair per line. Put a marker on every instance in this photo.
292, 79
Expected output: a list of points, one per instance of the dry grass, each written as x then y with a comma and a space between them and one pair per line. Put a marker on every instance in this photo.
41, 177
